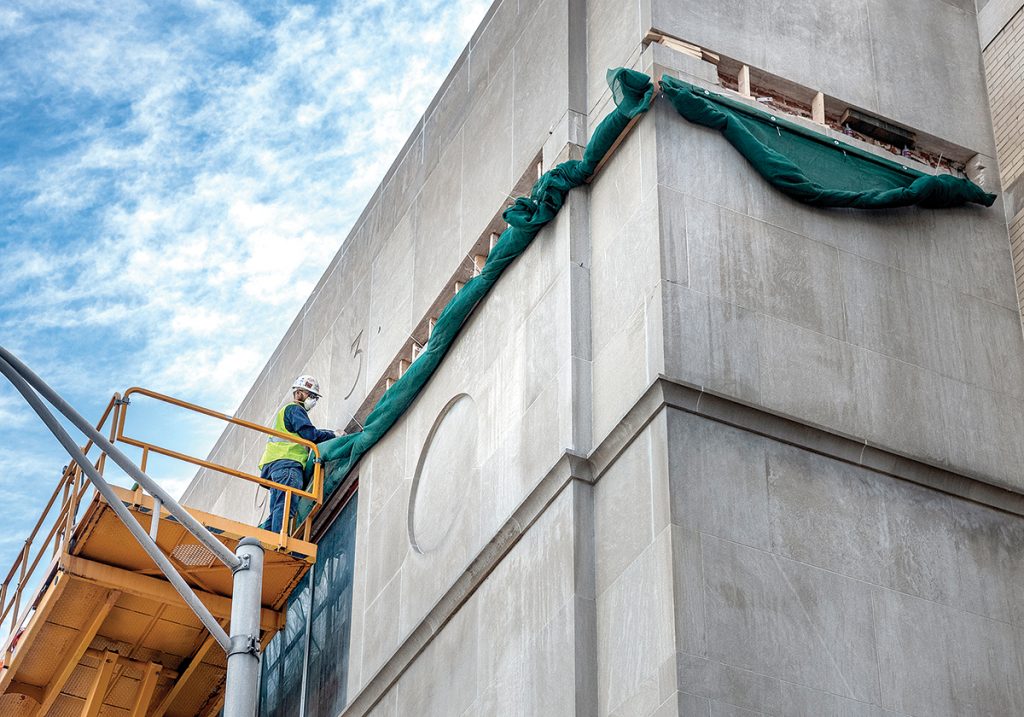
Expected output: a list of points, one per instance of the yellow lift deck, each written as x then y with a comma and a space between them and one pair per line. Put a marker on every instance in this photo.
95, 628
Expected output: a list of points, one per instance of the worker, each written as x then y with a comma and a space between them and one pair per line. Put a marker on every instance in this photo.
284, 461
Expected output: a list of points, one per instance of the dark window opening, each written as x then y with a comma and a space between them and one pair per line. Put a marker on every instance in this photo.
319, 619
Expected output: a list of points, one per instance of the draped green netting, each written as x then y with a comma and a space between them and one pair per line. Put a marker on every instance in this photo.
632, 92
803, 164
813, 168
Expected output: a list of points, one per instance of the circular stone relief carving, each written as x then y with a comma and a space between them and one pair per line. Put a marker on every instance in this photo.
446, 474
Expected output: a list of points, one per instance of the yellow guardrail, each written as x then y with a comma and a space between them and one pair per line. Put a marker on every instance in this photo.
316, 489
61, 511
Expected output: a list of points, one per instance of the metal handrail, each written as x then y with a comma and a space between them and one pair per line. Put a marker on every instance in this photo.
241, 646
70, 490
316, 489
70, 484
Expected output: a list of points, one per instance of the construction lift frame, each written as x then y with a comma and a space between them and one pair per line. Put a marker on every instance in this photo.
242, 645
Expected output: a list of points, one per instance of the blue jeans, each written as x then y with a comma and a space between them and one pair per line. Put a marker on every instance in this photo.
285, 472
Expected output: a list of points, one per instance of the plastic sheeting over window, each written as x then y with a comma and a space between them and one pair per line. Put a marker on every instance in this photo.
320, 616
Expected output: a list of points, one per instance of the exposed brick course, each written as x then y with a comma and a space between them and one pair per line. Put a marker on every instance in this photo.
1004, 71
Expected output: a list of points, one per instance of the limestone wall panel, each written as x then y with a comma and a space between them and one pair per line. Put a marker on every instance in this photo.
806, 585
896, 327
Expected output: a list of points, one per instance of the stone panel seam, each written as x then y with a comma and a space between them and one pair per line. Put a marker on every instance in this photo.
664, 392
874, 587
843, 250
1001, 15
871, 53
780, 681
1016, 231
874, 646
1006, 97
570, 467
811, 622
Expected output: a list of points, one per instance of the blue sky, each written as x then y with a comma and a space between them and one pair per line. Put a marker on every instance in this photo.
174, 178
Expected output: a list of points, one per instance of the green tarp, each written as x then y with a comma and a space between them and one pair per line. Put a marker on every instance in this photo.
632, 92
813, 168
804, 165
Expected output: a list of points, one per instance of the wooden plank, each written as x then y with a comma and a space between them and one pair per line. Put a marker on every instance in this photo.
123, 661
23, 688
94, 701
182, 681
818, 108
146, 688
75, 656
743, 81
674, 43
227, 528
158, 590
35, 624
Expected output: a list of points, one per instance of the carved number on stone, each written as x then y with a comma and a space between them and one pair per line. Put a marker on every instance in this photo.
356, 351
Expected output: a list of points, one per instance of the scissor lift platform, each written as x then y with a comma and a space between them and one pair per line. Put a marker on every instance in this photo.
106, 634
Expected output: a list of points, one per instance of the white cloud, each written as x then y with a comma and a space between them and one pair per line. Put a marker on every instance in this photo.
197, 168
226, 16
9, 19
14, 412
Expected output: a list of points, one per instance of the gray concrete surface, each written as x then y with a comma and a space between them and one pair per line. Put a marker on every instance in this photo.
832, 583
702, 450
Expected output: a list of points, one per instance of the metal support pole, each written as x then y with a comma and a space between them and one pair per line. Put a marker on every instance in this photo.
241, 690
11, 366
133, 526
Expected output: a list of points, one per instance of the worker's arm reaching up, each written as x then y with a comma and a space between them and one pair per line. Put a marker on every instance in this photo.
296, 420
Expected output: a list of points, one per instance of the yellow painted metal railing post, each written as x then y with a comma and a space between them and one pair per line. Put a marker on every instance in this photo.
71, 488
23, 560
64, 504
286, 519
315, 493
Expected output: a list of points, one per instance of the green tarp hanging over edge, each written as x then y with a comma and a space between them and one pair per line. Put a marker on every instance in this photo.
812, 168
632, 92
806, 166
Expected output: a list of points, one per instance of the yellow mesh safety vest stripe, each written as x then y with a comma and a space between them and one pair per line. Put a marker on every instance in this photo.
280, 448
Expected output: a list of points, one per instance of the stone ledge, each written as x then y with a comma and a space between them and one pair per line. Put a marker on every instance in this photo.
662, 393
849, 449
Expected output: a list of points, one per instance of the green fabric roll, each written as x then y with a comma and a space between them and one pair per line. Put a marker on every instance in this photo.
812, 168
632, 92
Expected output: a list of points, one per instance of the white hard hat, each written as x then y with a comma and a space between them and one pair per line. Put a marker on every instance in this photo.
307, 383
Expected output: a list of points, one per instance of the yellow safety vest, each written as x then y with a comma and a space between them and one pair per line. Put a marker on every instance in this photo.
281, 448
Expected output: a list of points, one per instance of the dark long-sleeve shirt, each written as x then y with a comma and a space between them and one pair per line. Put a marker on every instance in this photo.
296, 420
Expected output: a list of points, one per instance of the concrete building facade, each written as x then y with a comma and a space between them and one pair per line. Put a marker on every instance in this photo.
703, 450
